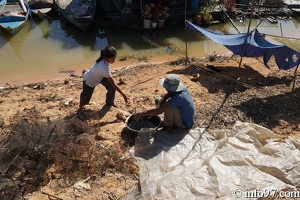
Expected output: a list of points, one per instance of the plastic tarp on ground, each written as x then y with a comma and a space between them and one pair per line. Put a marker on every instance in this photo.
220, 164
253, 44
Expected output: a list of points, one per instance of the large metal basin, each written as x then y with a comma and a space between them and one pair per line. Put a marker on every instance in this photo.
146, 122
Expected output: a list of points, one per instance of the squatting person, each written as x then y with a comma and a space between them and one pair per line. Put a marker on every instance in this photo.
177, 105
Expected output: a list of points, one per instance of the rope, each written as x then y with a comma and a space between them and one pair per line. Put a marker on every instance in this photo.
159, 46
205, 69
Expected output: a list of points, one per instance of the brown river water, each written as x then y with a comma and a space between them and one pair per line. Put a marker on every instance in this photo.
49, 49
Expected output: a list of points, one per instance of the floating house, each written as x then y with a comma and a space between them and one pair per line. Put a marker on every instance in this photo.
134, 13
172, 11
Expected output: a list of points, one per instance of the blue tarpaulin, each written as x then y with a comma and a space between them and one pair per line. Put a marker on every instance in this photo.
256, 46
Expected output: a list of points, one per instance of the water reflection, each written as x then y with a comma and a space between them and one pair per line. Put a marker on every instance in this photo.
16, 41
43, 47
43, 25
296, 21
90, 42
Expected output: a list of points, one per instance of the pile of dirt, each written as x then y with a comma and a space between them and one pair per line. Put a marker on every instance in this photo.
49, 152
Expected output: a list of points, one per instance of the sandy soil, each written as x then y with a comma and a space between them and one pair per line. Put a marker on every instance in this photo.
48, 152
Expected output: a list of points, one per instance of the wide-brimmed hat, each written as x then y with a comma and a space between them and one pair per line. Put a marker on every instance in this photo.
172, 83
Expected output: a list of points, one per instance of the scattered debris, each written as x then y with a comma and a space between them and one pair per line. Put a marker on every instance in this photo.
121, 116
121, 81
195, 77
66, 71
68, 101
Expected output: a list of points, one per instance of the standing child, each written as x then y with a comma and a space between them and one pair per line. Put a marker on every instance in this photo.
100, 73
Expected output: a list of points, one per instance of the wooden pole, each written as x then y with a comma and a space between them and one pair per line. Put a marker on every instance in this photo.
245, 42
294, 81
185, 32
294, 88
281, 29
230, 19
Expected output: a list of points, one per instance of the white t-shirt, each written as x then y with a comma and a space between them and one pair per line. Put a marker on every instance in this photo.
95, 74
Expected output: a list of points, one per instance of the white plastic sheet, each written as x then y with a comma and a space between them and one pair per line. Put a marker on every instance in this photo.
223, 164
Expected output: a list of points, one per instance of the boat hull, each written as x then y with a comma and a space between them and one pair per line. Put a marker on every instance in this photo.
293, 4
13, 20
41, 8
78, 13
41, 13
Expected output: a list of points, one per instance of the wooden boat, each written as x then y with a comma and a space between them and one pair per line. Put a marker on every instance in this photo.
294, 5
78, 12
14, 17
41, 8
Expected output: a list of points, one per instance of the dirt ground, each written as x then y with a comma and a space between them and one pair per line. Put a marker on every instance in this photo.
49, 153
